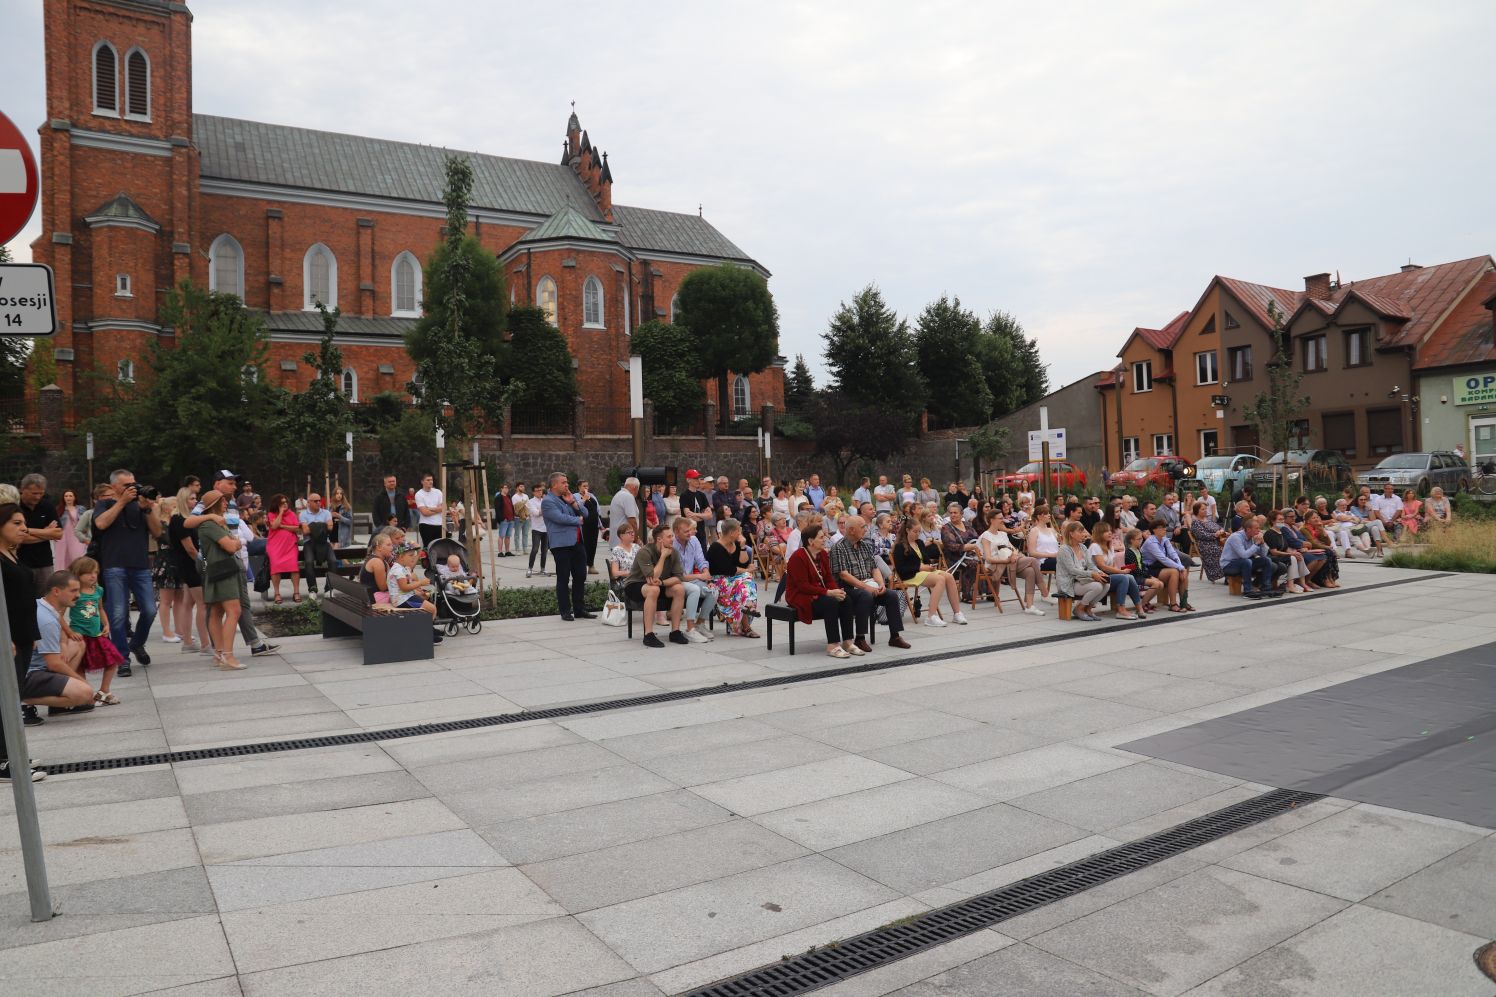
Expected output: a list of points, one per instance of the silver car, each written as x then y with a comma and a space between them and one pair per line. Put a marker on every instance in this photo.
1224, 472
1420, 472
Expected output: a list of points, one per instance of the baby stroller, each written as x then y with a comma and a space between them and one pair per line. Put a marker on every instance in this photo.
454, 608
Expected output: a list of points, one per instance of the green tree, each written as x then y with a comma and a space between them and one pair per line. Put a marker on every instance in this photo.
190, 409
849, 431
484, 295
732, 316
989, 445
1010, 362
670, 381
799, 387
457, 371
14, 352
317, 419
1274, 411
945, 337
872, 356
409, 441
546, 377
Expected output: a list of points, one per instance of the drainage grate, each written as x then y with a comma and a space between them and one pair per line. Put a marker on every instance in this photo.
582, 709
823, 967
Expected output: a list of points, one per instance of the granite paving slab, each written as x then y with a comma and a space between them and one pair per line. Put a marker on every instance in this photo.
550, 836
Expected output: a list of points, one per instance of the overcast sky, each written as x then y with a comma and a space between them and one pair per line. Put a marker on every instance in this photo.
1086, 167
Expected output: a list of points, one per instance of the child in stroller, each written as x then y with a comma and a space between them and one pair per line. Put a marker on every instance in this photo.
457, 596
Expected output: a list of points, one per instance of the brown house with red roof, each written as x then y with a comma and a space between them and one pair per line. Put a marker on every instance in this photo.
1365, 349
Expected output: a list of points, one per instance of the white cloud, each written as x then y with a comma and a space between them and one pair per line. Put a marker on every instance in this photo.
1086, 167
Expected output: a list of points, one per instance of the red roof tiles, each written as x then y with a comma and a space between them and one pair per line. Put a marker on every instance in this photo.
1423, 295
1465, 334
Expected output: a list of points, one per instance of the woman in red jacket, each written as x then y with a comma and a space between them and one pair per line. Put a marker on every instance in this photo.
814, 593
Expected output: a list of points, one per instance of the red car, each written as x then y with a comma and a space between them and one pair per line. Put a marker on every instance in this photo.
1163, 470
1062, 475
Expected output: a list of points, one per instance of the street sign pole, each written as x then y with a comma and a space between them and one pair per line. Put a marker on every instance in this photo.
32, 858
88, 443
1044, 469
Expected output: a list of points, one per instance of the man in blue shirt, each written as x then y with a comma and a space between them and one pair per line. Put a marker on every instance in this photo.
54, 677
1246, 555
696, 574
563, 523
316, 526
815, 492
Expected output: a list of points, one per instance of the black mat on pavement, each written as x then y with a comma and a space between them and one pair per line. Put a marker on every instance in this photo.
1420, 738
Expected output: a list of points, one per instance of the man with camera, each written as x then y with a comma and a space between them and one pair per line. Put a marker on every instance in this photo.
124, 521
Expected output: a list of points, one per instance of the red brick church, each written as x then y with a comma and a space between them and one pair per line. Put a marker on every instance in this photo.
140, 193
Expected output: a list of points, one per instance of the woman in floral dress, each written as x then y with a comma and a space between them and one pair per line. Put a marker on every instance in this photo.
1207, 536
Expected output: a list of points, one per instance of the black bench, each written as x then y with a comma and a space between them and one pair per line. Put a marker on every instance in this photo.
785, 614
347, 611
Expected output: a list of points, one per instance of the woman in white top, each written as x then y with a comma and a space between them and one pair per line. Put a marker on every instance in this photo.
1125, 515
1000, 557
672, 507
539, 541
908, 493
521, 502
1025, 497
1043, 545
621, 558
1108, 556
781, 502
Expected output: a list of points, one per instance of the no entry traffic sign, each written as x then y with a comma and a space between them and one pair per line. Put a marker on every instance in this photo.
19, 182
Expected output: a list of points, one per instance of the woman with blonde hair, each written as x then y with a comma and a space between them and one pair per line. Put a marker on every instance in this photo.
182, 547
917, 565
164, 575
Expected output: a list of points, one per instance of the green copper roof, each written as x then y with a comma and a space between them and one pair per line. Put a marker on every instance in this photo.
567, 225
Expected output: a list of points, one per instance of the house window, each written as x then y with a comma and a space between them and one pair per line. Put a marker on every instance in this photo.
1356, 342
1209, 442
1131, 450
126, 369
545, 295
405, 284
1315, 353
674, 309
1239, 363
1298, 435
741, 400
1205, 368
105, 79
1339, 430
592, 303
1142, 376
1384, 431
137, 85
1163, 444
1231, 322
320, 277
122, 286
350, 384
226, 266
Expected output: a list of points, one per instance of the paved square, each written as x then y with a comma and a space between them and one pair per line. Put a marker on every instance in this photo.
651, 850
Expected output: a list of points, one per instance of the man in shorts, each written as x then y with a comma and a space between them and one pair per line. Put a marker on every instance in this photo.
54, 678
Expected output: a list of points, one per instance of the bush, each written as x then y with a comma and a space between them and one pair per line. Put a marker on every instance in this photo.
301, 619
1468, 546
1467, 506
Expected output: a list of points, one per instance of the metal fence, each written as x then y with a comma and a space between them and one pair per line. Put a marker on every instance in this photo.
689, 424
546, 420
608, 420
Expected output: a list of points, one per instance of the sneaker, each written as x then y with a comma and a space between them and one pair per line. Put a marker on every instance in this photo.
1053, 600
265, 648
696, 637
528, 572
676, 637
934, 621
173, 639
1034, 611
31, 717
436, 638
651, 639
59, 711
37, 775
960, 618
709, 635
124, 671
584, 615
141, 656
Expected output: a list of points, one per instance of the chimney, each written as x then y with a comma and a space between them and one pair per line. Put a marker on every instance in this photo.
1410, 265
1317, 286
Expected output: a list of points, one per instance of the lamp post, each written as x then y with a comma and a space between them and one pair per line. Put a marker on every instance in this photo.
348, 456
636, 406
441, 464
88, 443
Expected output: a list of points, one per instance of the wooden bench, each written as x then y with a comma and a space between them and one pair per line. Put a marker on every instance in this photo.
347, 611
1233, 582
363, 523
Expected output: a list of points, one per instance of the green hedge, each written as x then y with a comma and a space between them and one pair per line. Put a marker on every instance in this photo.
301, 619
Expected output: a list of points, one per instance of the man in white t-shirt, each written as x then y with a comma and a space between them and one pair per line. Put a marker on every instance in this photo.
884, 494
623, 509
1389, 508
430, 506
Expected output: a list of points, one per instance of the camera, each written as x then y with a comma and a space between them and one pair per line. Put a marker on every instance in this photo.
150, 492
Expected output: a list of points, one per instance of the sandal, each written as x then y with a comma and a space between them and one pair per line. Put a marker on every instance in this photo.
227, 662
278, 601
106, 699
294, 598
1176, 609
838, 652
750, 632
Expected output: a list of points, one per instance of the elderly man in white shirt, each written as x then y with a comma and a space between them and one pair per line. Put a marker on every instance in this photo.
1389, 507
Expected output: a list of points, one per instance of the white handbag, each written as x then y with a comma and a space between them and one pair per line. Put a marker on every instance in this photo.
615, 613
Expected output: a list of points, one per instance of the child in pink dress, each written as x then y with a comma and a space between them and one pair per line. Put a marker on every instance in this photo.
88, 620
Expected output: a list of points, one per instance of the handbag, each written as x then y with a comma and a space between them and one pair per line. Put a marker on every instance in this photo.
223, 569
615, 613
